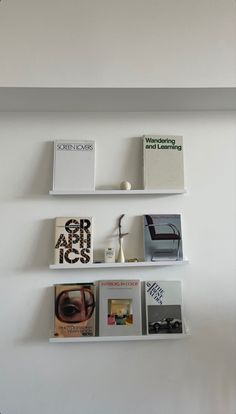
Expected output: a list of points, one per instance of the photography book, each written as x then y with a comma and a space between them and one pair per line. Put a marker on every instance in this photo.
74, 310
73, 241
119, 307
162, 237
74, 166
163, 165
163, 307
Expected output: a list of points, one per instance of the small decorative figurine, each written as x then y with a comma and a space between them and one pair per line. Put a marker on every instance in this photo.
121, 256
125, 185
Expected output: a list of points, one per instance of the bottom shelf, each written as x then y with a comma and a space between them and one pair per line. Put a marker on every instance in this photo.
152, 337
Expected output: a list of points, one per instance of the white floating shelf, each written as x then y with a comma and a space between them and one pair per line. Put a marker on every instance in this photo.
116, 99
119, 265
152, 337
117, 192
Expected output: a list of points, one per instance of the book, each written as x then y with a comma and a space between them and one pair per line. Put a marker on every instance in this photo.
73, 241
75, 306
163, 166
74, 166
119, 307
162, 237
163, 307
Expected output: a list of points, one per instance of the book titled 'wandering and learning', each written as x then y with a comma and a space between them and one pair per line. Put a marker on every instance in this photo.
163, 165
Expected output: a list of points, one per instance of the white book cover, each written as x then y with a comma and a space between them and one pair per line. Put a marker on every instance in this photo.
163, 164
163, 307
119, 307
73, 241
74, 166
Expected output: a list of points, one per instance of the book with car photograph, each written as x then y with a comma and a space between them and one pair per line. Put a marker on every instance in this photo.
163, 307
119, 307
162, 237
163, 165
73, 241
74, 166
74, 306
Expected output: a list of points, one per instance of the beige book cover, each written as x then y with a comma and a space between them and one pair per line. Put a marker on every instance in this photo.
74, 310
163, 164
73, 241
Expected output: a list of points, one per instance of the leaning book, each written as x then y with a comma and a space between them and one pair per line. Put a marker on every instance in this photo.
73, 241
75, 306
163, 164
119, 307
162, 237
74, 166
163, 307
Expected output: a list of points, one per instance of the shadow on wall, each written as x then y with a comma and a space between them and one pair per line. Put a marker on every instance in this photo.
41, 175
41, 248
42, 324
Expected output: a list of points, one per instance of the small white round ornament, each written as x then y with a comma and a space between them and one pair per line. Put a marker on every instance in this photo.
125, 185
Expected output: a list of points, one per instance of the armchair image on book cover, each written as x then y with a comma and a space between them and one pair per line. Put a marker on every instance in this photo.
163, 307
119, 307
162, 237
74, 310
73, 241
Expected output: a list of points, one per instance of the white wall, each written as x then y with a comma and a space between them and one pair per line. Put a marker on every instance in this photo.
118, 43
195, 375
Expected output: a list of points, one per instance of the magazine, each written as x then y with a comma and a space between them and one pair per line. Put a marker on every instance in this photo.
74, 166
73, 241
163, 307
119, 307
74, 310
162, 237
163, 166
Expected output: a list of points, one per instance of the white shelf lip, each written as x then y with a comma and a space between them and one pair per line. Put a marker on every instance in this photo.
119, 265
120, 99
118, 192
150, 337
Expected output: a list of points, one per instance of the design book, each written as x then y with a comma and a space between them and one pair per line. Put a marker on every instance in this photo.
73, 240
163, 166
162, 237
74, 310
163, 307
119, 307
74, 166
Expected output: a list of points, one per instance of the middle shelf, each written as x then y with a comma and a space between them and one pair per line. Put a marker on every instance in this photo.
114, 265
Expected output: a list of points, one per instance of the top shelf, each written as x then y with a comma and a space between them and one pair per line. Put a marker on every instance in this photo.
116, 99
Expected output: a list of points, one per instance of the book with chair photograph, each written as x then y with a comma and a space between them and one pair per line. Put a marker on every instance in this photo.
163, 164
164, 307
119, 307
74, 306
162, 237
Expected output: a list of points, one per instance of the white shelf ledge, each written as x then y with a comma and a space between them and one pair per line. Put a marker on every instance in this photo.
119, 265
117, 192
116, 99
151, 337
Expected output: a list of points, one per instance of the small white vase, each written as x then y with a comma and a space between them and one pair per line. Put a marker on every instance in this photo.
121, 256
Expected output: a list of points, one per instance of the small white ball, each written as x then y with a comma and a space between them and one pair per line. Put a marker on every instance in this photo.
125, 185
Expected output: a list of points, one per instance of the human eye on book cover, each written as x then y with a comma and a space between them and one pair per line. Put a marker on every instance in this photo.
162, 237
73, 241
74, 310
163, 307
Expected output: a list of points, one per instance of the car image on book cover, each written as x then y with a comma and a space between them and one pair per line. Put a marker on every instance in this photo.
162, 237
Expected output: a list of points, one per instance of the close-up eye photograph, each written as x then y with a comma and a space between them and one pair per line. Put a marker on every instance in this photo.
118, 182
